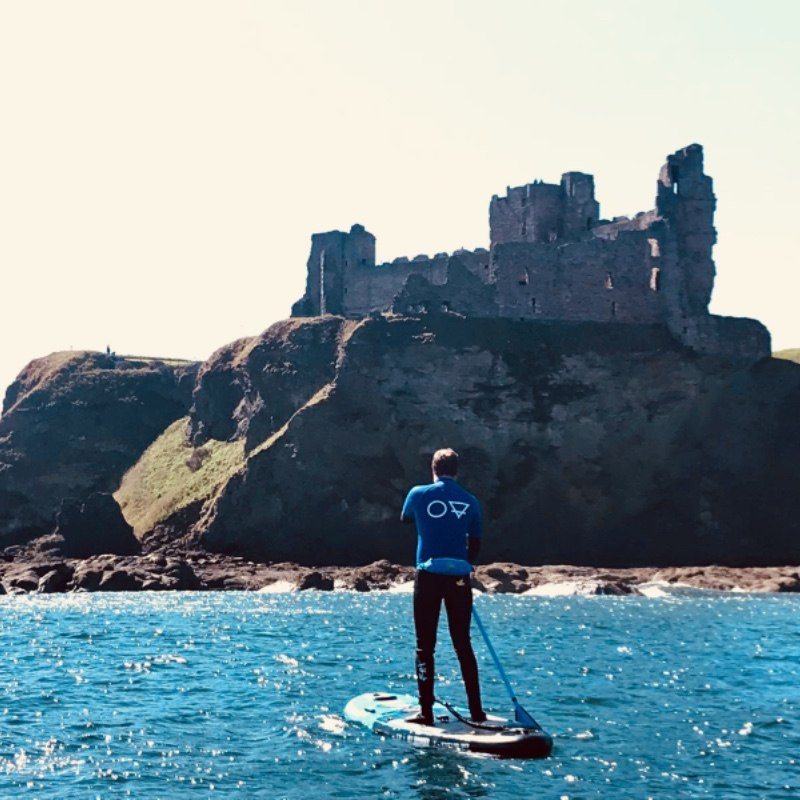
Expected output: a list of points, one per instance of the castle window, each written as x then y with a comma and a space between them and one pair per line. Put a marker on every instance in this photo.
524, 227
363, 262
673, 177
613, 308
655, 279
523, 279
446, 306
588, 223
552, 236
534, 307
609, 282
655, 250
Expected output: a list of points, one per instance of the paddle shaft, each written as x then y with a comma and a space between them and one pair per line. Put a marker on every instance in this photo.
493, 654
520, 714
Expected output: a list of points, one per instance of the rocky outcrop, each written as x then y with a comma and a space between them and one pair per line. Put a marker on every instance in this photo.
588, 443
93, 527
248, 389
37, 569
72, 424
245, 393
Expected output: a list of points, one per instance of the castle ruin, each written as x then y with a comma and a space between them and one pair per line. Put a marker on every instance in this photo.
552, 258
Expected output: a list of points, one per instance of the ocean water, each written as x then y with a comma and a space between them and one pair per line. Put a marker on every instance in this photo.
240, 695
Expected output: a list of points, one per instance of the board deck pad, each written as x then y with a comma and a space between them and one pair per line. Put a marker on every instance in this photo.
386, 714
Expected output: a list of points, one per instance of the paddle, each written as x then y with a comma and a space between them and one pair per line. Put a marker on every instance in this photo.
521, 716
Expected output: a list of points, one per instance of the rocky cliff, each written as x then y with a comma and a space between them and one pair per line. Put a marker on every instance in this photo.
588, 443
72, 424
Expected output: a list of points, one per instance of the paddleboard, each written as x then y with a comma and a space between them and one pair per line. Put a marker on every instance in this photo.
386, 714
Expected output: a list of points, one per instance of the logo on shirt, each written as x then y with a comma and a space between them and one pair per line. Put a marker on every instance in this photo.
438, 508
458, 508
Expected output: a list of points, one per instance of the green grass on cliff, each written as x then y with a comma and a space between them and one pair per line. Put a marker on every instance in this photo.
172, 474
789, 355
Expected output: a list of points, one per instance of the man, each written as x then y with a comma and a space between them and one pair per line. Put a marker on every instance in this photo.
448, 520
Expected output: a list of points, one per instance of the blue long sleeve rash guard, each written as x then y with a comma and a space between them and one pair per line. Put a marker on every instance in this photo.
445, 515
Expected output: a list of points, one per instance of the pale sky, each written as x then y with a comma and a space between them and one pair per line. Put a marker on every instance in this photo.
164, 163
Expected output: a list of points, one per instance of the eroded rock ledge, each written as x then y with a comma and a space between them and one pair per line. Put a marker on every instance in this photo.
43, 571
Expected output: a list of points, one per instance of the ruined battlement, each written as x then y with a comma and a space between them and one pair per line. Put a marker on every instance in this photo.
545, 212
551, 257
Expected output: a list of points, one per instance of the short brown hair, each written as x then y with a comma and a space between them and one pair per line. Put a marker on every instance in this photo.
445, 462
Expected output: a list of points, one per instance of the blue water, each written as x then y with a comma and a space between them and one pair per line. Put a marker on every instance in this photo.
240, 695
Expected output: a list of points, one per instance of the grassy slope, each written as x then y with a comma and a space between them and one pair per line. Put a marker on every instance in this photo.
789, 355
171, 474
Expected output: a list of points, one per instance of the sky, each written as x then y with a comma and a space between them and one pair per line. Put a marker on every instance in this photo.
164, 163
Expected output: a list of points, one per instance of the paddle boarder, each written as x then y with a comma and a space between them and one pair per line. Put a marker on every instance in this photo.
449, 530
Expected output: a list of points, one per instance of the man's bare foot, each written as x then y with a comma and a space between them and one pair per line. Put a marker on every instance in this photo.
421, 719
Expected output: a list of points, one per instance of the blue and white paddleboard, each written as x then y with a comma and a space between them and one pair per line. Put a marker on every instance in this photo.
386, 714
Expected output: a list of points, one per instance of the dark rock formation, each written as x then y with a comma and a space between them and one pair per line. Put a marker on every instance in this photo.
122, 574
588, 443
93, 527
57, 579
35, 568
72, 424
315, 580
251, 387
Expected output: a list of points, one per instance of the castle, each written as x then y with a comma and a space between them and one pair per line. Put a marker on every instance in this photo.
551, 258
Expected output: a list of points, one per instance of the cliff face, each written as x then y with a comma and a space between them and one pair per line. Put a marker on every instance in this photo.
249, 388
72, 424
588, 444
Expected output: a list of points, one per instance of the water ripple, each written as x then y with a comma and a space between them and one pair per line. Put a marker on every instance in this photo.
240, 695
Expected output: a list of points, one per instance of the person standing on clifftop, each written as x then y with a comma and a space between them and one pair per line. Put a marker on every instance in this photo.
449, 529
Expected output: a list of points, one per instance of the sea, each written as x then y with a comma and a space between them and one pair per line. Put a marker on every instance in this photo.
214, 694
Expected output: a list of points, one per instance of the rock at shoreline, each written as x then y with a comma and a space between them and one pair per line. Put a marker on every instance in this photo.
56, 580
40, 570
94, 527
315, 580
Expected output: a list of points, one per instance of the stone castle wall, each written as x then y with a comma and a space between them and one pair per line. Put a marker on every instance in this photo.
551, 258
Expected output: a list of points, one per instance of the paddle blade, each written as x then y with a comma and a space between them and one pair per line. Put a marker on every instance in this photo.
523, 718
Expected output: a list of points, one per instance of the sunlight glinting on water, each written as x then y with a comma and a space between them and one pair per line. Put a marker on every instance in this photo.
165, 695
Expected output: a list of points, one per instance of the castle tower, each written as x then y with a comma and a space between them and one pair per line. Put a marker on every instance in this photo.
333, 256
544, 212
685, 198
581, 210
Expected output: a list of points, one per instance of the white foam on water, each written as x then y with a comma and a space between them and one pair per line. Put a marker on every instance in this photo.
562, 589
559, 589
656, 589
278, 587
404, 587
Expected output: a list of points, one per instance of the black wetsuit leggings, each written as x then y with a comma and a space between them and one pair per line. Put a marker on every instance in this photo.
429, 592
